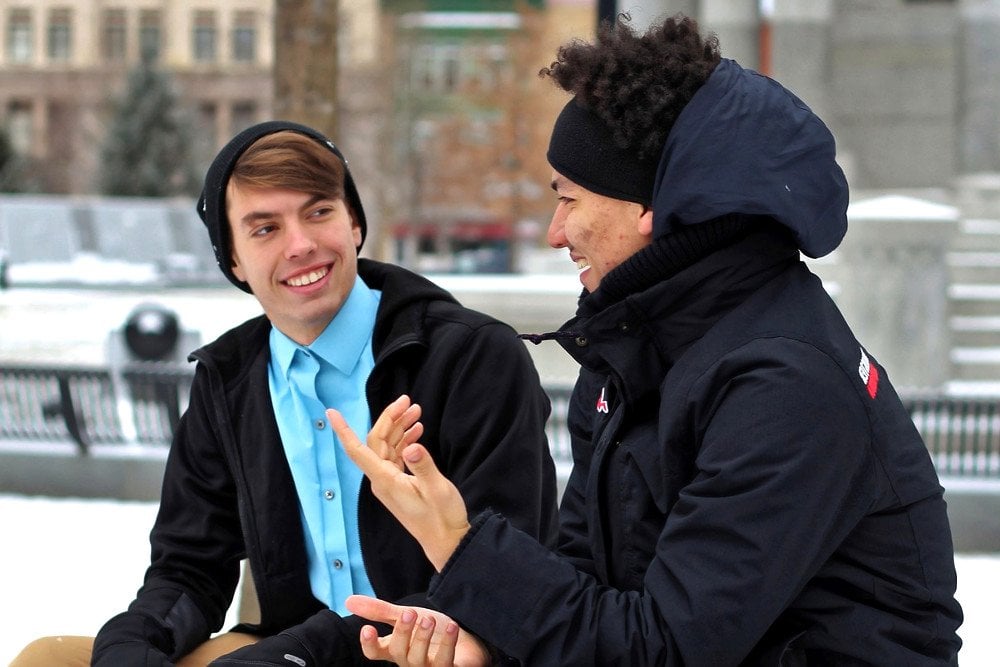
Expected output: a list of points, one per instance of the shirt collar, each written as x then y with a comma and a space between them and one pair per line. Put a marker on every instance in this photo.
344, 338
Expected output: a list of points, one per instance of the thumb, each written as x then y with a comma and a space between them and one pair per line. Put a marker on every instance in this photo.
419, 462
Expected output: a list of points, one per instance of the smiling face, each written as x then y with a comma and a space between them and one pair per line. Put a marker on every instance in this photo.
298, 253
600, 232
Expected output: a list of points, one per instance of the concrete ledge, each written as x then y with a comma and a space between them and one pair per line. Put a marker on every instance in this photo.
974, 512
136, 473
59, 470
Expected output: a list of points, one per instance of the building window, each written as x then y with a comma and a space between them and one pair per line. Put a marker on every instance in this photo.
114, 36
19, 37
204, 37
150, 34
244, 38
19, 126
60, 37
436, 68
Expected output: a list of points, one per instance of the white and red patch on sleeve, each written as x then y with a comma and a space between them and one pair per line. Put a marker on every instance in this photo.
602, 403
869, 374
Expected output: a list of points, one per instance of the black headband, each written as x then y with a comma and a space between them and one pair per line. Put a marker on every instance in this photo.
212, 203
583, 150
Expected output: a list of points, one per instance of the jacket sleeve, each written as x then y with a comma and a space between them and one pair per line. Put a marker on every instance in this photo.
783, 471
196, 548
492, 431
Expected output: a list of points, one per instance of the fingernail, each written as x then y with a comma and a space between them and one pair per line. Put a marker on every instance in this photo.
408, 616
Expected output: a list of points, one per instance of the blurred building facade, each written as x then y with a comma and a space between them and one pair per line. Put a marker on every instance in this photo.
909, 87
468, 121
63, 63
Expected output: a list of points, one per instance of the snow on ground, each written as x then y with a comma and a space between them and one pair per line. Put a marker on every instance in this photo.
67, 565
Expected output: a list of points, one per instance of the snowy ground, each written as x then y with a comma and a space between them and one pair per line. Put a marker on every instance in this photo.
67, 565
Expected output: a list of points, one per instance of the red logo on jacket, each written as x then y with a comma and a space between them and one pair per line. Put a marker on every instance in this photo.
602, 405
869, 374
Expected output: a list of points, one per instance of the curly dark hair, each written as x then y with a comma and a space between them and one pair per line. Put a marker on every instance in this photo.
637, 84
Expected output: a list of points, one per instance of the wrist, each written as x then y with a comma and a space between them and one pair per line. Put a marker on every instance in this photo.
443, 549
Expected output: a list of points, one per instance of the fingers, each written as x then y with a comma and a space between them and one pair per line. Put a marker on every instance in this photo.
366, 459
373, 609
415, 641
370, 644
420, 642
395, 429
445, 656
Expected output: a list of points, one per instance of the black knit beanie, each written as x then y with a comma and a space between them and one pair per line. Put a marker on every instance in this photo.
583, 150
212, 203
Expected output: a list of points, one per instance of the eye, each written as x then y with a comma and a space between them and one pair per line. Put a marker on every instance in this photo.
262, 230
321, 211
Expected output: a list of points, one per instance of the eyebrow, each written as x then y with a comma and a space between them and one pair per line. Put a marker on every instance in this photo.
254, 216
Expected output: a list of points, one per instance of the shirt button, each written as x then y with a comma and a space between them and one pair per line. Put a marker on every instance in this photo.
319, 424
337, 564
329, 494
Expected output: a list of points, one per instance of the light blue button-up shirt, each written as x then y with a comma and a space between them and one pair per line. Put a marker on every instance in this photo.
304, 381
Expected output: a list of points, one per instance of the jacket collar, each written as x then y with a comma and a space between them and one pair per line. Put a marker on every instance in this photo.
639, 338
399, 320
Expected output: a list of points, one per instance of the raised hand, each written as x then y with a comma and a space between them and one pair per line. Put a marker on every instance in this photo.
420, 637
395, 428
425, 502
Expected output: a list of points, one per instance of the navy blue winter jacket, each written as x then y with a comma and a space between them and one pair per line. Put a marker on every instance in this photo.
747, 487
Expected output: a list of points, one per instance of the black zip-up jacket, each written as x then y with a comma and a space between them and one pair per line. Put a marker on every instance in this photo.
228, 493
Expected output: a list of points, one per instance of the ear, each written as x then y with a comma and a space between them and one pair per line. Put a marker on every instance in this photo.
646, 222
355, 226
356, 232
237, 269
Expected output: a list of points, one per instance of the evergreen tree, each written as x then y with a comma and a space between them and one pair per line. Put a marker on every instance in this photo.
148, 151
10, 180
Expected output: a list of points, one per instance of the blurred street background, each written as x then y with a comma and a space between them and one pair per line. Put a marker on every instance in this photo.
110, 111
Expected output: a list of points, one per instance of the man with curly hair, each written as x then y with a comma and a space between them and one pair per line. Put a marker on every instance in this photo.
748, 487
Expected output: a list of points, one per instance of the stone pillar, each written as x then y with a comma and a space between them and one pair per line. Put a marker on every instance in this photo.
894, 287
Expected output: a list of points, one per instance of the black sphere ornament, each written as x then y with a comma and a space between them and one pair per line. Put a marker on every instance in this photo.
152, 332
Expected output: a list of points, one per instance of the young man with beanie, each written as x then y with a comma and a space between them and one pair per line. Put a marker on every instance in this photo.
748, 488
255, 472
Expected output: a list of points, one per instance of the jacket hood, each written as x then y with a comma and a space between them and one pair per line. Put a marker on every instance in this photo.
745, 144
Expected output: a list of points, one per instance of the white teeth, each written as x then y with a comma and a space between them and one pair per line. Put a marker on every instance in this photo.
582, 264
307, 279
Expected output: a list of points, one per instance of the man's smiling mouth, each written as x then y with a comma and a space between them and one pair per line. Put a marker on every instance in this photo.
308, 278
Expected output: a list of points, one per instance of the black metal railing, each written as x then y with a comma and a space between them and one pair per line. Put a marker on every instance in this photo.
961, 433
142, 403
139, 404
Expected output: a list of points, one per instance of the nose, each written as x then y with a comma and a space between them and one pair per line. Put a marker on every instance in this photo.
299, 242
556, 234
